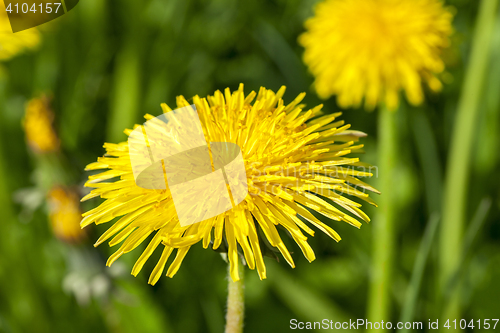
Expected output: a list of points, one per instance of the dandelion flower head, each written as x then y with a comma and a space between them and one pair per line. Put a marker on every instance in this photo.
297, 161
373, 49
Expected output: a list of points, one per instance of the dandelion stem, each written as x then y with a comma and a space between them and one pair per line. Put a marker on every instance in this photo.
235, 302
457, 175
383, 226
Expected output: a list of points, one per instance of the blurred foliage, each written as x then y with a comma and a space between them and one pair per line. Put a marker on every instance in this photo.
106, 63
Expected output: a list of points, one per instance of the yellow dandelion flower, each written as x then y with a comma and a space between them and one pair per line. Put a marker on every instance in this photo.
296, 162
37, 124
372, 49
65, 214
13, 43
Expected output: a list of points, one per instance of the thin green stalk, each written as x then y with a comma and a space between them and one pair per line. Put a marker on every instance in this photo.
379, 302
235, 302
457, 173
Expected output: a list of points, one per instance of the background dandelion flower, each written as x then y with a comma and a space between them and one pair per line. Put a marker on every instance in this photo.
372, 49
296, 161
37, 124
65, 214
